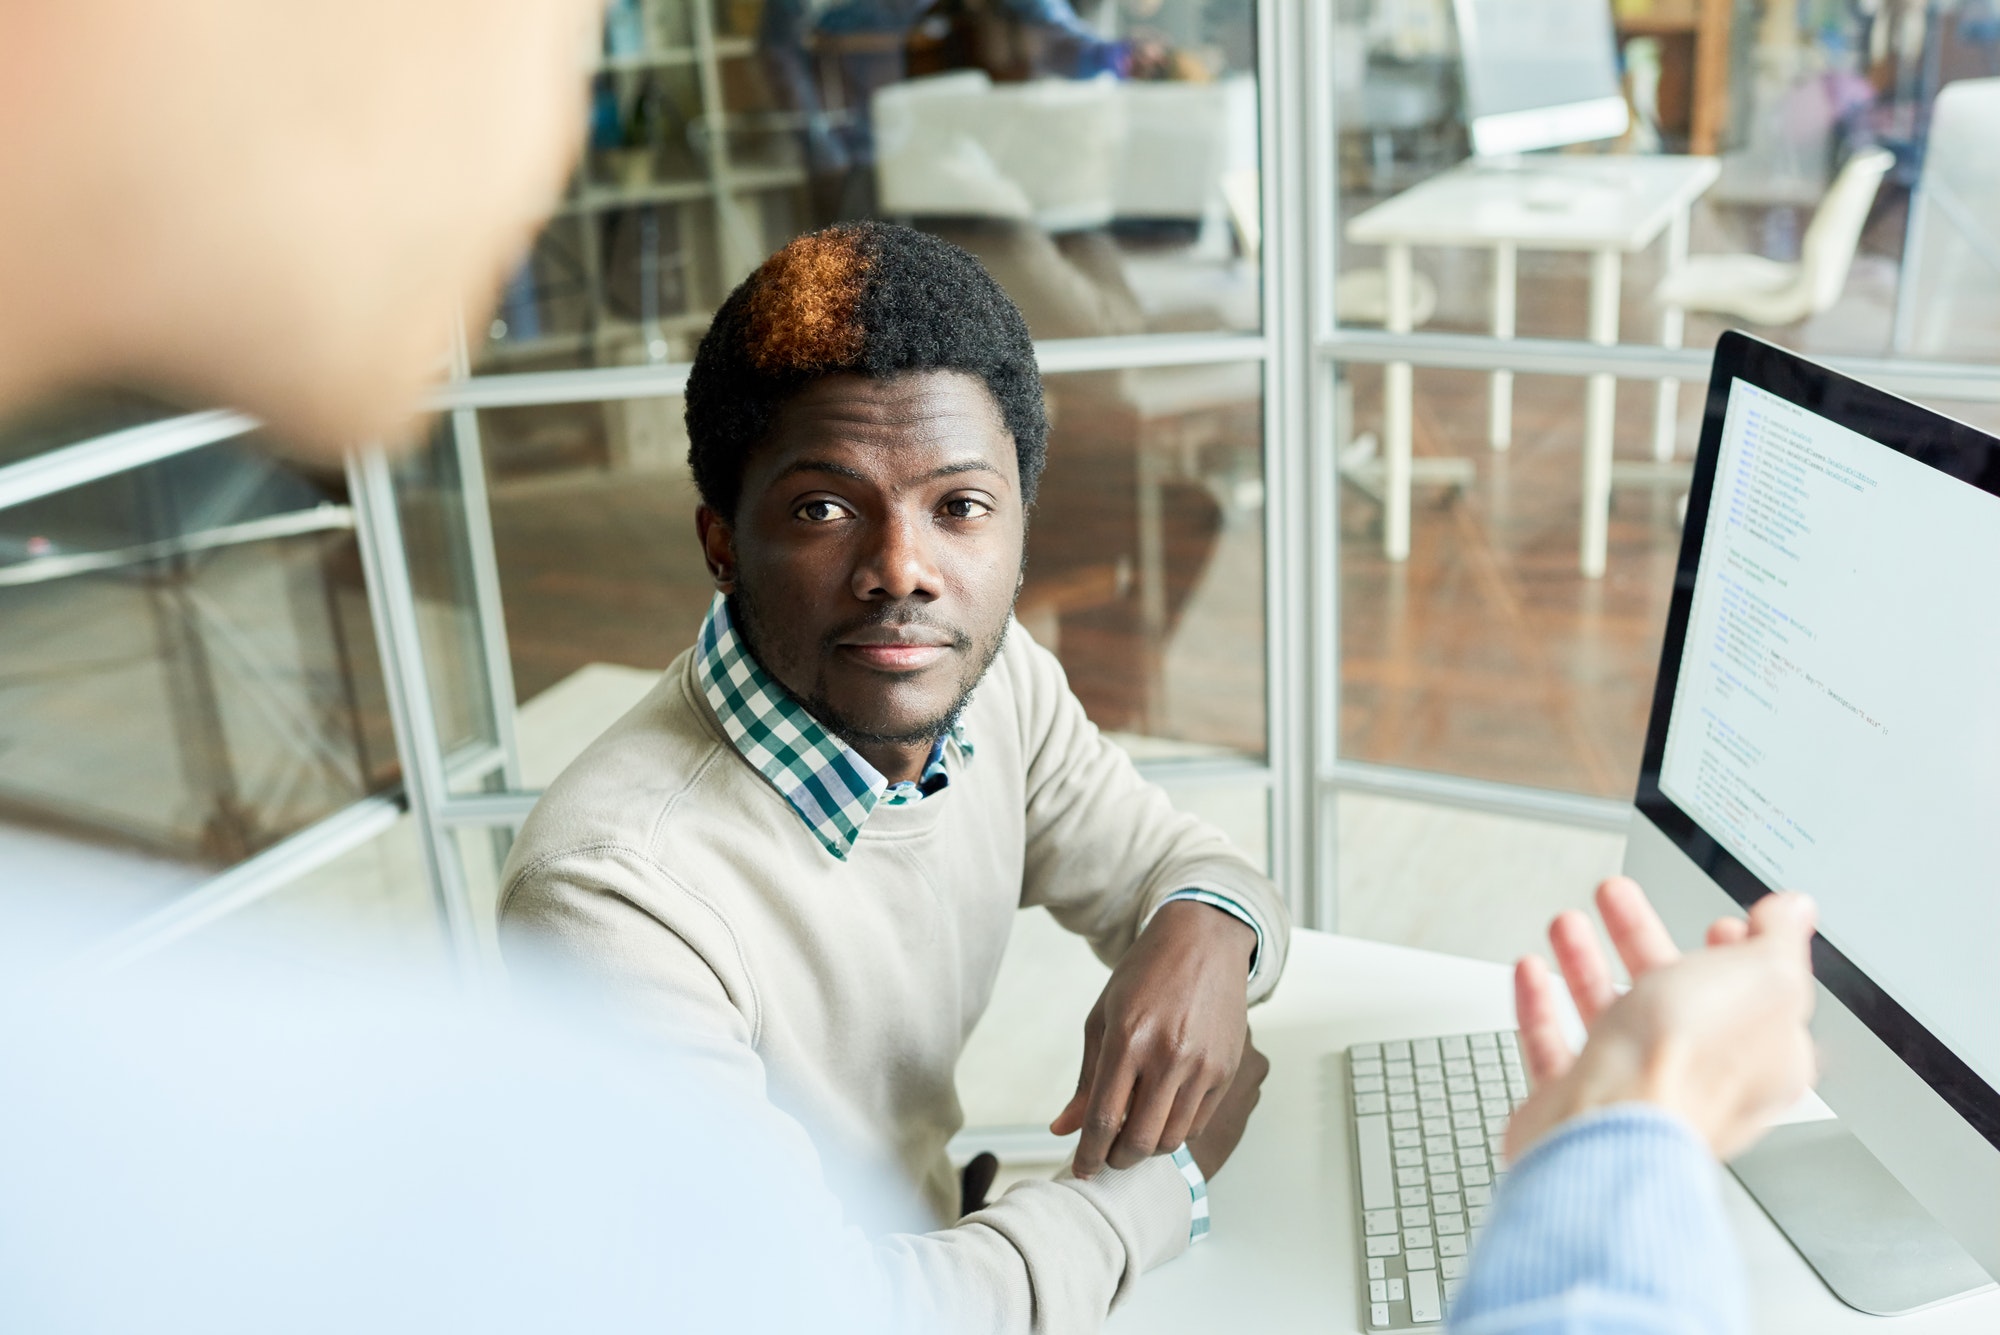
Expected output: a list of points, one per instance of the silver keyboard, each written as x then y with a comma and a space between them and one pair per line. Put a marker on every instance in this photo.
1430, 1117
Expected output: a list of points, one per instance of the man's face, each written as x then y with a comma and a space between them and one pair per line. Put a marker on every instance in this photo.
876, 550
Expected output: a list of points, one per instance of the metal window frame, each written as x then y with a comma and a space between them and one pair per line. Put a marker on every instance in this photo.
1299, 350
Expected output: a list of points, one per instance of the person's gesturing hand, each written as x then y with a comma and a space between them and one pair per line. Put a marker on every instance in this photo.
1164, 1040
1718, 1037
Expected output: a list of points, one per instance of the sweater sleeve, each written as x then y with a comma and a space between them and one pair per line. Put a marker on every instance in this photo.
1611, 1226
1105, 848
1047, 1258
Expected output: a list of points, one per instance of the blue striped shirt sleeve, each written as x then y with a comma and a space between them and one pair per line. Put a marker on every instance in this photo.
1611, 1226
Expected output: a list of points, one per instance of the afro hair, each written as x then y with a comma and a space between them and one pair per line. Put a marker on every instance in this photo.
869, 299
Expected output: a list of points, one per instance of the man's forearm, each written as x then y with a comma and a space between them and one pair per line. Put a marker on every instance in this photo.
1612, 1223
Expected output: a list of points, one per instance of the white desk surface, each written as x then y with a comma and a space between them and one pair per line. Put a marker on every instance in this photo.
1281, 1257
1541, 203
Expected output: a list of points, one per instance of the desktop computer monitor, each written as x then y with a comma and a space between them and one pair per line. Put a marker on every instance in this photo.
1538, 74
1827, 719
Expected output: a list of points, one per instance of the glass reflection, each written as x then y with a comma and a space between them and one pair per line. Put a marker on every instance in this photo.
1090, 152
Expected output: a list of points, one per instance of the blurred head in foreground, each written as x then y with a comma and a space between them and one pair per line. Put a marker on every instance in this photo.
278, 207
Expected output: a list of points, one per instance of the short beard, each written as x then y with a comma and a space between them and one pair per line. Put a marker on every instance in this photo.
747, 613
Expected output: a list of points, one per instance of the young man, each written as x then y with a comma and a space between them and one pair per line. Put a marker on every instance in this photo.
804, 851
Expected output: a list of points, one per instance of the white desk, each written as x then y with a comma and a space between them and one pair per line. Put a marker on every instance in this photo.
1281, 1258
1607, 206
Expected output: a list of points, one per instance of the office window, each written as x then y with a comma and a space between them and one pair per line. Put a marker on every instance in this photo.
1812, 173
1099, 157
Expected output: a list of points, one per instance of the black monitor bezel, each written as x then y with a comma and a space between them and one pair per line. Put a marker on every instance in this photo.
1953, 448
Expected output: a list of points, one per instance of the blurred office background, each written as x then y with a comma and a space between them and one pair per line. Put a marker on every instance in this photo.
231, 686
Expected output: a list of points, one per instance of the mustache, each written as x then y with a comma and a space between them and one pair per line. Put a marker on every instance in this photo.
896, 617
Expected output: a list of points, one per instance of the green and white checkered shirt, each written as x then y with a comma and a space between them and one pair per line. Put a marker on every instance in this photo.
826, 781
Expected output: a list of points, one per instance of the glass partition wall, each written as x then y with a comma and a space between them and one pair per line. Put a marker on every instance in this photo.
1334, 504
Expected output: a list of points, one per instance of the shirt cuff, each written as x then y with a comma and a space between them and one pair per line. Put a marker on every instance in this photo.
1197, 1194
1227, 905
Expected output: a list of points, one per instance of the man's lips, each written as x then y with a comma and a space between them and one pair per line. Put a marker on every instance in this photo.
892, 653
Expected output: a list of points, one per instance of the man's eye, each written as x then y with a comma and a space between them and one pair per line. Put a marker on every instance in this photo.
965, 507
820, 512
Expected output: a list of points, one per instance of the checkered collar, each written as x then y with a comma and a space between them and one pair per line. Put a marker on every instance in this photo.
827, 783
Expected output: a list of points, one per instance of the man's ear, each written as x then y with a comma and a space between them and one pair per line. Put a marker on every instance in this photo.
718, 547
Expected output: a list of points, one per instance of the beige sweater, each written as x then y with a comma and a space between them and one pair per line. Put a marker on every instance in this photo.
664, 865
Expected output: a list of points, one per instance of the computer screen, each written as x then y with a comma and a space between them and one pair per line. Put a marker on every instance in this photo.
1835, 722
1539, 73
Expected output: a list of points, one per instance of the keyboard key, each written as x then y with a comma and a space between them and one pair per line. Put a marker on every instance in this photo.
1406, 1140
1403, 1121
1422, 1259
1424, 1051
1459, 1067
1365, 1104
1452, 1246
1384, 1246
1425, 1306
1476, 1216
1416, 1237
1479, 1195
1416, 1217
1497, 1143
1471, 1135
1402, 1084
1378, 1290
1470, 1118
1371, 1137
1448, 1224
1497, 1126
1367, 1084
1397, 1051
1508, 1047
1395, 1290
1411, 1196
1402, 1102
1409, 1177
1473, 1154
1409, 1158
1378, 1314
1451, 1290
1437, 1144
1364, 1066
1364, 1050
1475, 1177
1437, 1126
1446, 1205
1517, 1088
1484, 1043
1441, 1163
1464, 1102
1454, 1046
1443, 1184
1375, 1269
1400, 1069
1378, 1221
1432, 1108
1488, 1072
1452, 1267
1496, 1108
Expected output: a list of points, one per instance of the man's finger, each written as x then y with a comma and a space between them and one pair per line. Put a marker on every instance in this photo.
1583, 965
1205, 1113
1104, 1118
1788, 915
1188, 1105
1727, 932
1071, 1117
1153, 1101
1538, 1012
1641, 939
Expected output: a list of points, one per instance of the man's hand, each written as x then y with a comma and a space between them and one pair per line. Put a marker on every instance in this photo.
1718, 1037
1164, 1040
1212, 1145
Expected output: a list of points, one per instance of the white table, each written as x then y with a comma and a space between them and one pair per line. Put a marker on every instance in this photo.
1606, 206
1281, 1258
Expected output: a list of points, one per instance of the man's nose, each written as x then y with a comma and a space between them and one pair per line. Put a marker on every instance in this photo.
898, 562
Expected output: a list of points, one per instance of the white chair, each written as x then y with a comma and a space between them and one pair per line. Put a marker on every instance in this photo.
1772, 293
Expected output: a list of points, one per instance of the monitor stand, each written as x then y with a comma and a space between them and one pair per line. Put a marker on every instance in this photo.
1874, 1245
